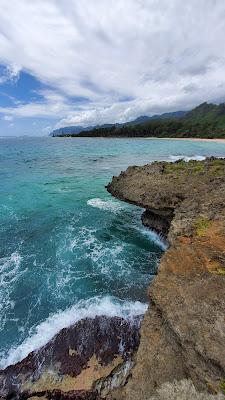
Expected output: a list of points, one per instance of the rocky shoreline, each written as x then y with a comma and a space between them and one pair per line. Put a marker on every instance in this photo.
183, 331
179, 353
82, 362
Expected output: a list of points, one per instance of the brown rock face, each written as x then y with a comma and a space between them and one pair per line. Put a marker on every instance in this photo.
183, 331
76, 362
177, 194
159, 224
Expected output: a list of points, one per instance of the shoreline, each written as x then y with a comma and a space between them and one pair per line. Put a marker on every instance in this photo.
179, 335
191, 139
121, 360
218, 140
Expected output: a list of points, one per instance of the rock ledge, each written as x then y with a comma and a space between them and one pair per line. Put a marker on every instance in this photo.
183, 331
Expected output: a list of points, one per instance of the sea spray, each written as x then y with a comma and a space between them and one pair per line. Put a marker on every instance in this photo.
186, 158
72, 241
46, 330
106, 205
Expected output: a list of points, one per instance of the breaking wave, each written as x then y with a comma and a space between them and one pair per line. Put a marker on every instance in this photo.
97, 306
108, 205
154, 237
9, 274
186, 158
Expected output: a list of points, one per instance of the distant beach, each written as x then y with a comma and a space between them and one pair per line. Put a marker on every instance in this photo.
192, 139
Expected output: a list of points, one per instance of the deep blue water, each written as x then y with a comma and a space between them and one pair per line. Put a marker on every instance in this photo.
67, 248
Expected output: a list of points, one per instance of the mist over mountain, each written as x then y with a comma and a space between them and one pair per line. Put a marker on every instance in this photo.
76, 129
204, 121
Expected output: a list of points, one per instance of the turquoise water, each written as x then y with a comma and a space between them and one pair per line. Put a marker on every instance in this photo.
67, 248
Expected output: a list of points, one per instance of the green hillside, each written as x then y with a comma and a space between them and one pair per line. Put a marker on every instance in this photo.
204, 121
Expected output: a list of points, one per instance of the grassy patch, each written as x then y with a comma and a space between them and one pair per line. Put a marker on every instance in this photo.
191, 167
175, 167
222, 386
220, 271
218, 167
215, 168
201, 226
197, 167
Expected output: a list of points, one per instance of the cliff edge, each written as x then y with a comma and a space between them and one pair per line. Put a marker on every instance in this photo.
179, 354
183, 331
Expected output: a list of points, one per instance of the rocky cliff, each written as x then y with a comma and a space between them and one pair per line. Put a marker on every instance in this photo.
181, 355
183, 331
82, 362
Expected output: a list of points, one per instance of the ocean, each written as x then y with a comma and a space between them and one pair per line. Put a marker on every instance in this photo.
68, 250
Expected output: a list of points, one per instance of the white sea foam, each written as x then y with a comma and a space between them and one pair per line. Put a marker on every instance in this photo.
96, 306
154, 237
186, 158
106, 205
114, 206
8, 268
102, 254
9, 273
85, 238
9, 211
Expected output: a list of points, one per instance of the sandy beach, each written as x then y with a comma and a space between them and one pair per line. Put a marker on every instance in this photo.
192, 139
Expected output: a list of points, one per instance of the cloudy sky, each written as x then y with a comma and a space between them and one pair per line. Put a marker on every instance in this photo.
69, 62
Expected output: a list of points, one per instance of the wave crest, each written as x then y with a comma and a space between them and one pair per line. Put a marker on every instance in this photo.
186, 158
106, 205
154, 237
46, 330
10, 272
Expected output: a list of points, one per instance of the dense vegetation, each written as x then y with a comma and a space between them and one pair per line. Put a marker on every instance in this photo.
205, 121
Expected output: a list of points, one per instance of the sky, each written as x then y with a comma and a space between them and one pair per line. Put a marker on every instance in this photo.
86, 62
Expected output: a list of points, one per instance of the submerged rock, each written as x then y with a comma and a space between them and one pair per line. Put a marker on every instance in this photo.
183, 331
78, 363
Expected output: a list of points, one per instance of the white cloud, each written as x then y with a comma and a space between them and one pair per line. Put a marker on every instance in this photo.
13, 72
7, 118
128, 57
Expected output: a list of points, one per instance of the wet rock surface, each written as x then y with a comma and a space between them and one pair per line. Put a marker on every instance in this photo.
182, 344
75, 362
157, 223
183, 331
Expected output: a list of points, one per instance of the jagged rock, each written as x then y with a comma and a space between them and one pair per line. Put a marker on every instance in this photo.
183, 390
74, 361
156, 222
177, 193
183, 331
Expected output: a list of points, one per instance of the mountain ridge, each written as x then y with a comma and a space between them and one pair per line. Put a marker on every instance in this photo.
204, 121
76, 129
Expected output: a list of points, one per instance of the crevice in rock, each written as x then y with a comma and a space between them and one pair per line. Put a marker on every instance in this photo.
157, 222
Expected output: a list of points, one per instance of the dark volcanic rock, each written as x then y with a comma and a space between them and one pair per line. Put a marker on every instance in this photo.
183, 331
158, 223
73, 361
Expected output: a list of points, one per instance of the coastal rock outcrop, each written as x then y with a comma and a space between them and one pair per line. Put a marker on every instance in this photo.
179, 353
82, 362
183, 331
